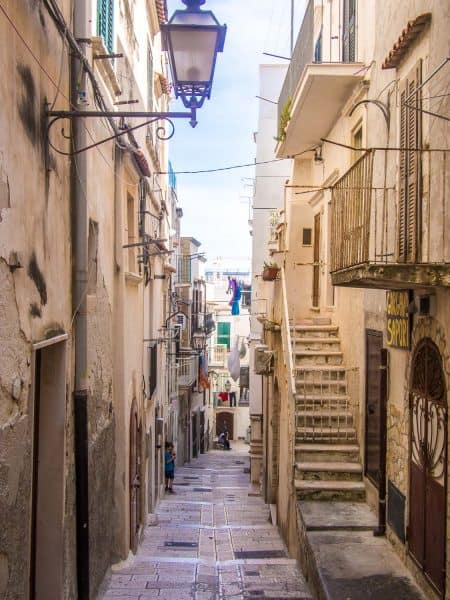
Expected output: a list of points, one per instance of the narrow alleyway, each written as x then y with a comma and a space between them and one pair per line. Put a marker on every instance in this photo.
211, 541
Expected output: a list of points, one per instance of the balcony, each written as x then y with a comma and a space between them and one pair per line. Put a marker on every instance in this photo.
218, 354
173, 380
373, 245
321, 78
187, 371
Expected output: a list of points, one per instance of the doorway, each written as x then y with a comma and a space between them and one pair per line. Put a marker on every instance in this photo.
428, 412
225, 420
375, 438
194, 435
316, 262
49, 420
135, 478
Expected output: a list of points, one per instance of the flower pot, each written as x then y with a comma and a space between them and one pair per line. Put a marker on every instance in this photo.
270, 273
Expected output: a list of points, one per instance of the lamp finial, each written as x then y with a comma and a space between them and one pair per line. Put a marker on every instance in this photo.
193, 4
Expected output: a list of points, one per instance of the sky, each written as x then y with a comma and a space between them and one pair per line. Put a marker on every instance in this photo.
214, 207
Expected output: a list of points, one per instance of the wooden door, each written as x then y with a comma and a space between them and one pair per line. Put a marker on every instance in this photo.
316, 261
428, 464
225, 420
194, 435
202, 431
375, 407
135, 480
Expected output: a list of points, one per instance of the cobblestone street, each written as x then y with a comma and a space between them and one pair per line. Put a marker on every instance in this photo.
211, 540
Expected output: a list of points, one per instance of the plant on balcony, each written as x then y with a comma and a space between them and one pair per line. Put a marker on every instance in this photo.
270, 271
285, 117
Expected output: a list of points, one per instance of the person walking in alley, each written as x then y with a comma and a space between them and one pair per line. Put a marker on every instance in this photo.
169, 467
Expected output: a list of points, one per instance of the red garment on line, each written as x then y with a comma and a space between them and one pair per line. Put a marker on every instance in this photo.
223, 396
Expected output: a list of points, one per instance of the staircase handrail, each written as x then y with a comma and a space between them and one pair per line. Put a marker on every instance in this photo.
286, 334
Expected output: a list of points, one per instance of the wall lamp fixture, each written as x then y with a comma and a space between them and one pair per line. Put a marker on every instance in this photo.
193, 37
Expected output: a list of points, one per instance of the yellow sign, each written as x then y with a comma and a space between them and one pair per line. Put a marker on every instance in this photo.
398, 319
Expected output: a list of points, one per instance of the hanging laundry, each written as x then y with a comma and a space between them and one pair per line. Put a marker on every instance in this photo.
236, 290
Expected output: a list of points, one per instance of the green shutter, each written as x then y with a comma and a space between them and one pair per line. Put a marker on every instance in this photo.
105, 21
223, 334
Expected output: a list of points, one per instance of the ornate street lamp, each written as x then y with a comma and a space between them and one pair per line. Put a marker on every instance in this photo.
193, 37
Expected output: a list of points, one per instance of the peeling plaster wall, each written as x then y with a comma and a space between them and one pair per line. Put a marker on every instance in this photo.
35, 275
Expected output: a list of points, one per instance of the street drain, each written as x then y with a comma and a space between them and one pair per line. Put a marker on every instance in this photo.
181, 544
252, 573
260, 554
190, 477
202, 489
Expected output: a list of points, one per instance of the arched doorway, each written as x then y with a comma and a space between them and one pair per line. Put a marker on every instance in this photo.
135, 478
225, 420
428, 463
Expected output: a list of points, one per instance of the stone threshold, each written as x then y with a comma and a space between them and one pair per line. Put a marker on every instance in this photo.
343, 560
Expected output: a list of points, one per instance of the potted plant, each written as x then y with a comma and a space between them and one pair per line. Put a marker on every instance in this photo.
270, 271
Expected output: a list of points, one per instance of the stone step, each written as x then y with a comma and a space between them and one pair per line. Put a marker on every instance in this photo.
317, 452
326, 433
316, 331
315, 418
329, 471
338, 466
316, 358
325, 343
316, 340
330, 490
322, 399
331, 370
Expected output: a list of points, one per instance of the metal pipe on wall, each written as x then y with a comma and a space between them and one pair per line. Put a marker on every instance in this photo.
80, 280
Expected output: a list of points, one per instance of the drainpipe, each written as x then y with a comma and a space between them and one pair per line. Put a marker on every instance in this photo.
80, 280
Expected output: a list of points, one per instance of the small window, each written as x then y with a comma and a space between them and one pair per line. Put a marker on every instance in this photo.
357, 142
307, 237
131, 237
223, 334
105, 19
92, 257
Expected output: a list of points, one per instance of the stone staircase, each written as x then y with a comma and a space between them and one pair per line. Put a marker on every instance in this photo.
327, 453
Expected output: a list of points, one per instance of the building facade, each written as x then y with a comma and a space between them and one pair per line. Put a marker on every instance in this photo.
359, 342
88, 239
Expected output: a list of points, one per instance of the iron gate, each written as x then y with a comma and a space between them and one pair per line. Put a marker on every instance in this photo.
428, 460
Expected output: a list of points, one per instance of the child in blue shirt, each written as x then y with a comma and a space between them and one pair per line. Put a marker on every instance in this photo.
169, 467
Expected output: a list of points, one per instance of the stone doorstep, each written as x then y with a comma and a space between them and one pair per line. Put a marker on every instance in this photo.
339, 467
342, 561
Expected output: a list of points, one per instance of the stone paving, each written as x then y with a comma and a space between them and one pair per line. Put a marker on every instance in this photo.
211, 541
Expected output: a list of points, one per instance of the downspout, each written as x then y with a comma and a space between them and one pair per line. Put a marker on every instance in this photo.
80, 281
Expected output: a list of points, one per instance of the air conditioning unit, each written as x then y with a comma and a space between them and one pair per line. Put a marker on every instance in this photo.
263, 360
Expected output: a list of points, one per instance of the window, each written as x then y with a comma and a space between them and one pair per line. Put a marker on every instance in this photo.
92, 257
153, 377
357, 142
131, 234
223, 334
318, 49
150, 75
410, 167
349, 31
105, 19
307, 236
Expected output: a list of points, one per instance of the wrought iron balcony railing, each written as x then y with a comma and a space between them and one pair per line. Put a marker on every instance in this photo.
381, 233
313, 46
187, 370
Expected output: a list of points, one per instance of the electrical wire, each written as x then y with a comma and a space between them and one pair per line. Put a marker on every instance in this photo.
241, 166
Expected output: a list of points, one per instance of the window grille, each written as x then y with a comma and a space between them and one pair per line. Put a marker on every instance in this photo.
349, 31
153, 377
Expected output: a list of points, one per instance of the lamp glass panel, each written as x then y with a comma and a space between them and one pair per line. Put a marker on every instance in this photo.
193, 54
205, 19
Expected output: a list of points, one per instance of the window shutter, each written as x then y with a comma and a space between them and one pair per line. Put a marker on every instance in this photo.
410, 168
105, 21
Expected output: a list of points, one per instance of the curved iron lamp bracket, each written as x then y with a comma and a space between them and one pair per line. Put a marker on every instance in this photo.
161, 134
381, 105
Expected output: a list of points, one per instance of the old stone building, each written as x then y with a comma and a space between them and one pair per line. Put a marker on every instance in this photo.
88, 228
356, 395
